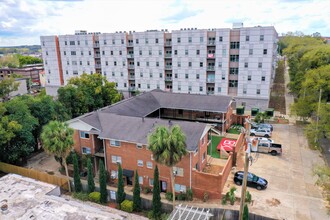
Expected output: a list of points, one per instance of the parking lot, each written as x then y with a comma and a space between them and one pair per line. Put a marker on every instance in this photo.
291, 192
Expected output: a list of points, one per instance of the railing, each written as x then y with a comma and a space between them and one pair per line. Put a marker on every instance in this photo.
168, 55
168, 67
130, 44
96, 45
130, 55
210, 68
97, 55
210, 80
98, 66
131, 88
210, 92
130, 66
132, 77
100, 152
168, 43
211, 42
211, 56
168, 79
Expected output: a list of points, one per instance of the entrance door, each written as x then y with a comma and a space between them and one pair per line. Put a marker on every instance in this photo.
163, 186
129, 180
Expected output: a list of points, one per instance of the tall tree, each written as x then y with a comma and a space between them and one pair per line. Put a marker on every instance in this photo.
156, 203
90, 177
57, 139
7, 85
76, 176
168, 148
88, 93
103, 183
121, 195
136, 193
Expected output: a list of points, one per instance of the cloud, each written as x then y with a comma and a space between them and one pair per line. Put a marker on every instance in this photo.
182, 12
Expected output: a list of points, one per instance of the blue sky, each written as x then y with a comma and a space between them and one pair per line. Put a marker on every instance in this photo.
22, 22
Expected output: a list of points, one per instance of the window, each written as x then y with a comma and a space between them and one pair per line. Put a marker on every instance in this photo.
263, 78
190, 64
140, 52
73, 53
151, 182
149, 164
223, 76
201, 39
47, 53
125, 85
234, 45
148, 86
67, 62
265, 51
250, 51
160, 52
104, 42
78, 42
180, 188
141, 74
113, 41
84, 134
64, 53
103, 53
197, 52
88, 63
234, 58
176, 75
86, 42
220, 64
140, 163
160, 75
220, 39
157, 63
65, 42
246, 64
186, 52
89, 53
189, 88
261, 37
82, 53
115, 159
201, 88
120, 53
258, 91
249, 78
201, 64
150, 74
121, 74
197, 76
122, 41
219, 89
111, 52
137, 63
247, 38
244, 90
179, 64
74, 63
233, 71
259, 65
224, 51
72, 43
137, 41
233, 83
178, 171
80, 63
147, 63
189, 39
86, 150
146, 41
124, 63
67, 72
141, 180
114, 174
113, 74
115, 143
150, 52
156, 40
186, 76
179, 40
175, 52
115, 63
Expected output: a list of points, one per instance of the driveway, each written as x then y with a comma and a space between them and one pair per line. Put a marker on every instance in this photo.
291, 192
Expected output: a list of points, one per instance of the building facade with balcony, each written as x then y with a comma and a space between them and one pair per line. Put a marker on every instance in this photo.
238, 62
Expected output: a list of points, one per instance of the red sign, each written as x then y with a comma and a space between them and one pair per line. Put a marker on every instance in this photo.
226, 144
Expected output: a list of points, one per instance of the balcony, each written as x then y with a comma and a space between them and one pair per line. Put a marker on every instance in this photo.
210, 68
168, 79
168, 90
97, 55
96, 45
100, 152
210, 92
130, 44
168, 55
131, 88
97, 66
211, 42
211, 56
130, 55
168, 67
210, 80
131, 67
168, 44
132, 77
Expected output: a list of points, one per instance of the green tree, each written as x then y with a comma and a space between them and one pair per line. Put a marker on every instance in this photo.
246, 212
168, 148
20, 145
9, 60
57, 139
88, 93
90, 177
121, 195
156, 203
7, 85
136, 193
103, 183
323, 174
25, 60
76, 175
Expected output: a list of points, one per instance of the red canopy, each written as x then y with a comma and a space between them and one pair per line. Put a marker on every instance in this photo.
226, 144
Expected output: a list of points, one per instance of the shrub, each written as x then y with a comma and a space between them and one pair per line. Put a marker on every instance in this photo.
182, 196
81, 196
248, 197
94, 197
169, 196
224, 200
205, 197
189, 195
146, 190
126, 206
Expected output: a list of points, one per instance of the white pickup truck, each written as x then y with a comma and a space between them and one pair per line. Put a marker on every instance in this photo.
268, 147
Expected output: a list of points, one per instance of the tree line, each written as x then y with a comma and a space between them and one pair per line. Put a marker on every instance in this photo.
22, 117
18, 60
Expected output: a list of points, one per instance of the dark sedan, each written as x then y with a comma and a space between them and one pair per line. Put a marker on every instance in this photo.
252, 180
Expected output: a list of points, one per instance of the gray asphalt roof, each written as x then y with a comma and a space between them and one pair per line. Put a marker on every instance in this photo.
136, 130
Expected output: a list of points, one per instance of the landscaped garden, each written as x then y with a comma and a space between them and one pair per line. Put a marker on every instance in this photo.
235, 129
212, 149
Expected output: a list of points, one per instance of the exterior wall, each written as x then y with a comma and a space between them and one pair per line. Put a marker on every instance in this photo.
80, 142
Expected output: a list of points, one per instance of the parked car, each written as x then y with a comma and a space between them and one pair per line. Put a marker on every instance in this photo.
262, 125
263, 132
268, 147
252, 180
262, 139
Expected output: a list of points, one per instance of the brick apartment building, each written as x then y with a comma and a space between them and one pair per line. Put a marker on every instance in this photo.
119, 134
31, 72
238, 62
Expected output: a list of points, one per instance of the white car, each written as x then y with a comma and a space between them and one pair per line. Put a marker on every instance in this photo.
261, 132
262, 139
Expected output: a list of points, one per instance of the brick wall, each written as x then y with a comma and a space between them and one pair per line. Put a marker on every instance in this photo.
82, 142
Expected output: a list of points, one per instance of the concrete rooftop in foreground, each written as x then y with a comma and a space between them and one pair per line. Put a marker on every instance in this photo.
31, 199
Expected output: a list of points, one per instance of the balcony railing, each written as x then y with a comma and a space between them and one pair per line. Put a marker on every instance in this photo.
210, 80
210, 68
211, 42
130, 44
97, 66
169, 79
100, 152
168, 43
211, 56
130, 55
168, 55
168, 90
96, 45
130, 67
132, 77
97, 55
168, 67
210, 92
131, 88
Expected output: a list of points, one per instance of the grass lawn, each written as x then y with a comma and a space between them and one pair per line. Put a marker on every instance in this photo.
233, 131
214, 143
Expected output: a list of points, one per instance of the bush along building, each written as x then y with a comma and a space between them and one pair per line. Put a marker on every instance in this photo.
238, 62
119, 134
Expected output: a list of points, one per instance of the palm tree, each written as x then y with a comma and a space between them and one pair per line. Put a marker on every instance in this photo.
168, 148
57, 139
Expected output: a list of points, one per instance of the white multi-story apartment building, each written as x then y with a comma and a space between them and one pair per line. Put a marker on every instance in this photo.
238, 62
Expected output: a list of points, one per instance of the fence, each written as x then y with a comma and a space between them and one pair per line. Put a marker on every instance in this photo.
34, 174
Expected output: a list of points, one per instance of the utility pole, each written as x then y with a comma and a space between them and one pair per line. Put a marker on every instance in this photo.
246, 169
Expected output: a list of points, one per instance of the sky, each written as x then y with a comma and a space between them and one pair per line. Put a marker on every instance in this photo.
22, 22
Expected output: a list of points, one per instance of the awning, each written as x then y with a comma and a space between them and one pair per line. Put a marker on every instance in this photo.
226, 144
128, 173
